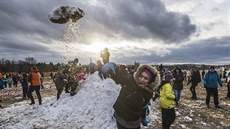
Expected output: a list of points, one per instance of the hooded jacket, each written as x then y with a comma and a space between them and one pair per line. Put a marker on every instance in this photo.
133, 98
211, 80
167, 96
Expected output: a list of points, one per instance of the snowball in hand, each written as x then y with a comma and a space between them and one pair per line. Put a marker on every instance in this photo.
63, 14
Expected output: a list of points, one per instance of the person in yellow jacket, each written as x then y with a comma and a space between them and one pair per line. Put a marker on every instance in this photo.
167, 100
35, 84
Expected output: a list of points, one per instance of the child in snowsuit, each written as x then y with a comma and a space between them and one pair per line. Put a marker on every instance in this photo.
167, 101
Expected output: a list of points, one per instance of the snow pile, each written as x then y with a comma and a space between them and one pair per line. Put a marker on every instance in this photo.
90, 108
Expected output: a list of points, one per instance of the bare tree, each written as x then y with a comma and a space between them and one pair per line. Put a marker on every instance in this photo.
30, 60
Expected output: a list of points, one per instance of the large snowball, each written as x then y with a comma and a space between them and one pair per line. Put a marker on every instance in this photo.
63, 14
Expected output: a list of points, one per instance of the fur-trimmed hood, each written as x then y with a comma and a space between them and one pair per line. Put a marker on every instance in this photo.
150, 87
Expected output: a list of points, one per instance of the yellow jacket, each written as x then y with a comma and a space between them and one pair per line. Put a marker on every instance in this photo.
167, 97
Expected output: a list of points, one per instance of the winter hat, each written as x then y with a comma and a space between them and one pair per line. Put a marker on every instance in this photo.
34, 68
212, 67
167, 75
150, 74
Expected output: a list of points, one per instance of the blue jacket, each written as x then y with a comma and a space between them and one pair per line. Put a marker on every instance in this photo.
211, 80
107, 67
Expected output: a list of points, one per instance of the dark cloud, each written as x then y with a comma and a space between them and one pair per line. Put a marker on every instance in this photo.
143, 19
29, 17
208, 51
129, 19
213, 50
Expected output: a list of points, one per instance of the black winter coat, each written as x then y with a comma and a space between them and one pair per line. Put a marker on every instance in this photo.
178, 82
131, 100
195, 78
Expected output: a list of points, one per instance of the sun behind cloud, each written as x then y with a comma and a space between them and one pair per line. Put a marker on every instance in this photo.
96, 47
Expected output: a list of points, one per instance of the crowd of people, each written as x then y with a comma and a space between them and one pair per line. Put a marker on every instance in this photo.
29, 83
139, 85
9, 80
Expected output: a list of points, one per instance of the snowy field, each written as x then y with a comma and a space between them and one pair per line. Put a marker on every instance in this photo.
92, 108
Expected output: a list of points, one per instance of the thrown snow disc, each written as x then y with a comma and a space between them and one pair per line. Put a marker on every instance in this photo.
63, 14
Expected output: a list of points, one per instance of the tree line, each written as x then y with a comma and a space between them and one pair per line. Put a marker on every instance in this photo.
22, 66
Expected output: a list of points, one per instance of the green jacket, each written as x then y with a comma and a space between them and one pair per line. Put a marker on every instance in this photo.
167, 96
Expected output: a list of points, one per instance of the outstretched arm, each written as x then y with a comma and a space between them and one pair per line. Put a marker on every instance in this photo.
122, 75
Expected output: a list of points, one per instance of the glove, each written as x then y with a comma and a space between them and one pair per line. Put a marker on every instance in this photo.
220, 85
72, 93
205, 86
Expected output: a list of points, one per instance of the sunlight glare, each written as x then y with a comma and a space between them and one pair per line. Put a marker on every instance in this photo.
96, 47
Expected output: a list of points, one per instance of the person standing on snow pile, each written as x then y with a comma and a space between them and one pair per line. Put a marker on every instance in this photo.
178, 84
35, 80
108, 70
210, 82
105, 55
92, 68
136, 91
70, 72
99, 68
167, 100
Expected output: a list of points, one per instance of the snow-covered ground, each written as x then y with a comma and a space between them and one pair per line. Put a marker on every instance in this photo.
92, 108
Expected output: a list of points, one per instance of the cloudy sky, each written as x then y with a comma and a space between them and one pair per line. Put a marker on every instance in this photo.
146, 31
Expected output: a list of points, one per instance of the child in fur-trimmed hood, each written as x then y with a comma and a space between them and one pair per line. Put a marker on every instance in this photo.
135, 93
